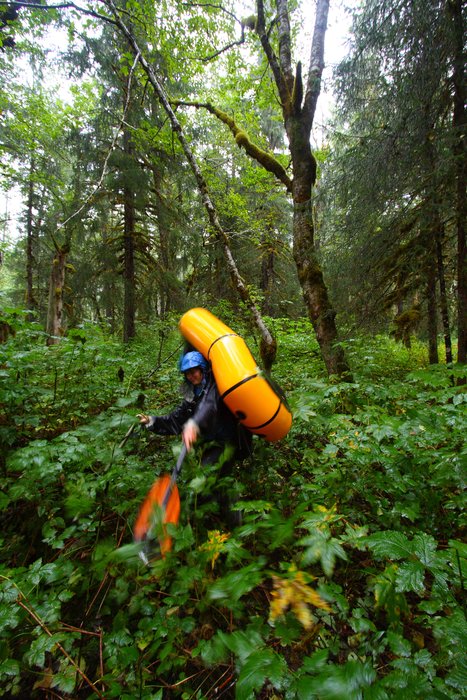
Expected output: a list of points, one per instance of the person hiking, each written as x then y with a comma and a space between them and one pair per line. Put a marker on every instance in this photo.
202, 416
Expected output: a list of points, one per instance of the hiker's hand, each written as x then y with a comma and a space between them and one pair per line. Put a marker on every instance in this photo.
190, 434
143, 418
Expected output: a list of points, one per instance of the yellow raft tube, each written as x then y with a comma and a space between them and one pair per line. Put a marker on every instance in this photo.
242, 386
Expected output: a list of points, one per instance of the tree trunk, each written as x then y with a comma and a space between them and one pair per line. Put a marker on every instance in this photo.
436, 231
128, 254
443, 298
459, 150
30, 300
108, 284
298, 109
432, 318
267, 270
320, 311
56, 285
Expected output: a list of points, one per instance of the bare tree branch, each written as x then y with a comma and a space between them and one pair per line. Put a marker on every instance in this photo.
268, 344
280, 79
316, 67
60, 6
239, 42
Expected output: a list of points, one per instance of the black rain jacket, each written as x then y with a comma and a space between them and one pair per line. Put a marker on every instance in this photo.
214, 420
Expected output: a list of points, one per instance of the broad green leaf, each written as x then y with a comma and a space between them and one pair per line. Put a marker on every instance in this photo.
9, 667
390, 544
460, 547
316, 662
320, 546
261, 665
346, 681
65, 679
398, 644
234, 585
331, 450
410, 577
242, 644
424, 547
386, 596
212, 651
198, 484
44, 643
457, 678
9, 616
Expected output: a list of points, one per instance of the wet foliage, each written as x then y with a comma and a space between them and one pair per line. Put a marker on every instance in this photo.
345, 578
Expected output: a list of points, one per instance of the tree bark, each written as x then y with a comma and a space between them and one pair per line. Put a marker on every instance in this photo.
108, 286
267, 270
56, 285
443, 297
432, 318
435, 233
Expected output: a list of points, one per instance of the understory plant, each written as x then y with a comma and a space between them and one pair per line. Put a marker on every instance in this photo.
345, 579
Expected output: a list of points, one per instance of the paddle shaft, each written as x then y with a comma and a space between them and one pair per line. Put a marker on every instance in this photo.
175, 473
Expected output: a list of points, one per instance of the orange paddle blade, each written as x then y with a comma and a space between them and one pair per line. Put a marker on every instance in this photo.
153, 516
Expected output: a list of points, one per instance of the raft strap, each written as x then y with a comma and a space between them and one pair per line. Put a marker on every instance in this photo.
257, 427
226, 335
235, 386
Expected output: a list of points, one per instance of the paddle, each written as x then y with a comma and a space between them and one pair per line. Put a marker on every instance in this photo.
161, 506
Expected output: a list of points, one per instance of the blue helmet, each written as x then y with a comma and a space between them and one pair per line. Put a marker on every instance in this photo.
193, 359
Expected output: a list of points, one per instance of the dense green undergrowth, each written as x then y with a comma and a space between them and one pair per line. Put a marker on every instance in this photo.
345, 579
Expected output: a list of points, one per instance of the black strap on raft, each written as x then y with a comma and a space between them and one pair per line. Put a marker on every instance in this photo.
258, 427
226, 335
235, 386
275, 387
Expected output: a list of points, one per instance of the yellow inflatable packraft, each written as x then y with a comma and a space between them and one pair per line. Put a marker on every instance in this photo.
250, 396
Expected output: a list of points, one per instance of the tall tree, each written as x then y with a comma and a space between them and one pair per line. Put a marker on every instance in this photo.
54, 326
457, 12
297, 99
393, 170
298, 103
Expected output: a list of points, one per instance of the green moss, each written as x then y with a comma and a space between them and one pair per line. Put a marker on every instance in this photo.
249, 22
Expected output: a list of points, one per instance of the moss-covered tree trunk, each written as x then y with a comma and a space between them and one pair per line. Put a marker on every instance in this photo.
298, 104
56, 285
459, 149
